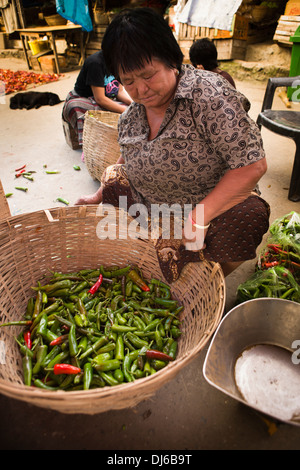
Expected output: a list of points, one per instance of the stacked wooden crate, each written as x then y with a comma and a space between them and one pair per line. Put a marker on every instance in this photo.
230, 44
286, 28
95, 39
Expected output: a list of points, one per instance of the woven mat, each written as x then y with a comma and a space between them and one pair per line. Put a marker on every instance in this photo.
20, 80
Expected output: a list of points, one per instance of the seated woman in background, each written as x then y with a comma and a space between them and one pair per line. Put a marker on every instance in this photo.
203, 55
94, 89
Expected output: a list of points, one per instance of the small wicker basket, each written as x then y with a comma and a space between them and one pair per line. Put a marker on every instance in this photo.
100, 141
67, 240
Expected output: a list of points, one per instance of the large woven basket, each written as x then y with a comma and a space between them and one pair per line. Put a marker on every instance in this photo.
100, 141
4, 207
65, 239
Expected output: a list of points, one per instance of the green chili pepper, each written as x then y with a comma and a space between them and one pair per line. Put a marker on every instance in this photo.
93, 348
73, 347
118, 375
119, 350
158, 340
76, 167
27, 369
157, 364
42, 326
115, 301
41, 354
49, 335
97, 381
87, 375
101, 357
122, 328
108, 378
128, 288
58, 359
63, 200
125, 368
108, 365
173, 350
20, 188
37, 304
169, 304
136, 341
18, 322
82, 346
152, 325
53, 353
29, 309
38, 383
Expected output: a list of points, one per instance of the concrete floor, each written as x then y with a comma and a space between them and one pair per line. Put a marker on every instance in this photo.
185, 414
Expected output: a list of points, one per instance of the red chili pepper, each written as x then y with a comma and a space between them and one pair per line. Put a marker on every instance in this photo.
277, 249
59, 340
270, 264
154, 354
21, 168
66, 369
96, 286
27, 339
20, 173
134, 276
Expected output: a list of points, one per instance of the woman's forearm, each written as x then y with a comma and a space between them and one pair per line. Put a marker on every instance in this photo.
104, 102
235, 186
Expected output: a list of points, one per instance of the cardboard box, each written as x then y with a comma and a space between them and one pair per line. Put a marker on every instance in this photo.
48, 63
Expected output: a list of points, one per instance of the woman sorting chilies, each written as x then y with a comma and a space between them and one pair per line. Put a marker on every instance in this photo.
186, 139
94, 89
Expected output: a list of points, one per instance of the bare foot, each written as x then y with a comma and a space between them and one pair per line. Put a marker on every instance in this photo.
90, 199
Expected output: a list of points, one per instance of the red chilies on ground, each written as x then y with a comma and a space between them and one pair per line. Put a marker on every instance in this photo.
96, 286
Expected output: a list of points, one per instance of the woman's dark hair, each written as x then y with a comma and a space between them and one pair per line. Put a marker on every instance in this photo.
204, 52
137, 35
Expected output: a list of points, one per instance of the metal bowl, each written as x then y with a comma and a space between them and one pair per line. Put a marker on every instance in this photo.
254, 357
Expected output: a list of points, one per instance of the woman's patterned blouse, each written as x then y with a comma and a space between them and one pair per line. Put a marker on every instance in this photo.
205, 132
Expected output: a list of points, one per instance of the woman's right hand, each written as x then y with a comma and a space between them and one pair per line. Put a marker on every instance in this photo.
192, 237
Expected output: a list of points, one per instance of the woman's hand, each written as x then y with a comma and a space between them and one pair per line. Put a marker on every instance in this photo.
193, 237
105, 102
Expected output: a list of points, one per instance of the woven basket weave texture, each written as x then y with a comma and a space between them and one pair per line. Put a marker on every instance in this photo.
100, 141
67, 240
4, 207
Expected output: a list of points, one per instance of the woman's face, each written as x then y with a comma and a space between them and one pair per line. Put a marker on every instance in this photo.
153, 86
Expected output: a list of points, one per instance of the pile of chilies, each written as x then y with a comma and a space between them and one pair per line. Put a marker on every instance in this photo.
278, 255
95, 328
19, 80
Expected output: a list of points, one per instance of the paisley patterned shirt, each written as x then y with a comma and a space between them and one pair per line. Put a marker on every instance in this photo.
205, 132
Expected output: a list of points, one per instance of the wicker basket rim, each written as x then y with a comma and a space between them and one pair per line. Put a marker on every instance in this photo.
95, 120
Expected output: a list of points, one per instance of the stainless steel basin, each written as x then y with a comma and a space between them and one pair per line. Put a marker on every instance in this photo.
273, 377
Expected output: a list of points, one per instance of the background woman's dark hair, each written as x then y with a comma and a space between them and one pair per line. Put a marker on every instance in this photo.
137, 35
204, 52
